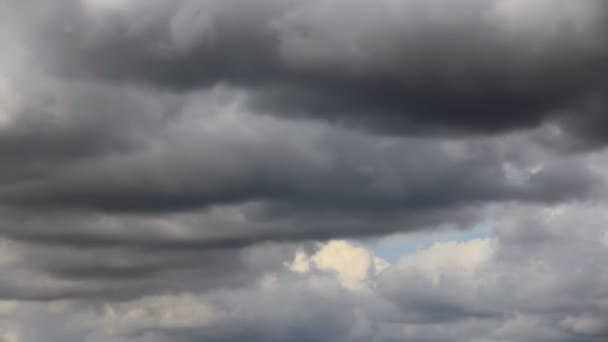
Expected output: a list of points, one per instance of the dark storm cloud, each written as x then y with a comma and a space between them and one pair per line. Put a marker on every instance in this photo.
165, 181
406, 67
358, 175
152, 147
66, 121
46, 273
167, 166
227, 179
90, 151
91, 159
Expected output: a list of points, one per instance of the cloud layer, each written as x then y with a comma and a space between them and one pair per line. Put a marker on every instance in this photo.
403, 67
535, 278
173, 170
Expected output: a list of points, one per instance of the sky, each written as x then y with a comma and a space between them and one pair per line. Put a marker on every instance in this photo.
303, 171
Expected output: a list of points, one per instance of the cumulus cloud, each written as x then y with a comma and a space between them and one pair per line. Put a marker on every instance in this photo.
489, 289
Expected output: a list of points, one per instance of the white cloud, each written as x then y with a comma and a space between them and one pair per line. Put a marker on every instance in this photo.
460, 258
8, 334
585, 324
352, 265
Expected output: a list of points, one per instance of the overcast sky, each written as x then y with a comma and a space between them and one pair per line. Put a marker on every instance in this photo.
303, 170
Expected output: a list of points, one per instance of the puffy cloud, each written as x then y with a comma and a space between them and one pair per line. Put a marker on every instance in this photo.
480, 290
352, 265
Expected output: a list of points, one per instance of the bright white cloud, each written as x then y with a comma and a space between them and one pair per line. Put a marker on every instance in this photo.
352, 265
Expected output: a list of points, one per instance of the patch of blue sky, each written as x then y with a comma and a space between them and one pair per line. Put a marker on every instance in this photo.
394, 247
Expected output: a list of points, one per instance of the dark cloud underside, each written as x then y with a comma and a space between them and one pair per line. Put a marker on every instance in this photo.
178, 156
405, 67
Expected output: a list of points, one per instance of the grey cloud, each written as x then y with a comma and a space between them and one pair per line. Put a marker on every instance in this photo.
543, 274
224, 177
100, 275
168, 148
64, 121
97, 161
549, 289
164, 180
406, 67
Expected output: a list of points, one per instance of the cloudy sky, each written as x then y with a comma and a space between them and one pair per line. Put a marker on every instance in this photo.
303, 171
